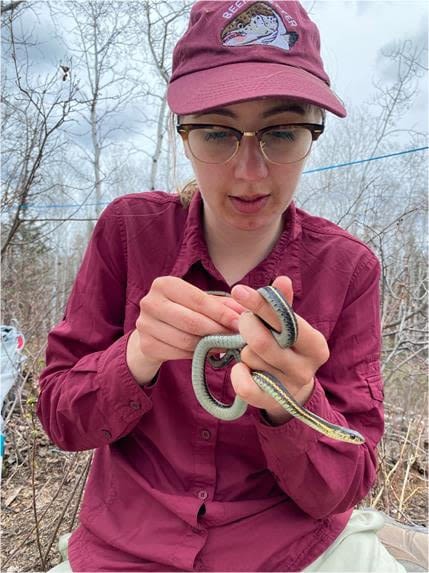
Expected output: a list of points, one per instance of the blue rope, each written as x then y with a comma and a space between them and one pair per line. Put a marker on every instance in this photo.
365, 160
317, 169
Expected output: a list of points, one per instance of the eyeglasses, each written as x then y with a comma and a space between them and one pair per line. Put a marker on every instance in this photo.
281, 144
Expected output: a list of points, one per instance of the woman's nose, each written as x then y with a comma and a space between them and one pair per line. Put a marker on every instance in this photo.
250, 164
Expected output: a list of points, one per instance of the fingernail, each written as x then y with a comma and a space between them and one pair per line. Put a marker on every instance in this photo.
242, 291
235, 324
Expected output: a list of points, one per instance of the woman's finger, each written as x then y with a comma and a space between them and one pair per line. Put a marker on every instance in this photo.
168, 334
182, 317
159, 350
249, 391
292, 369
310, 344
252, 300
195, 299
231, 303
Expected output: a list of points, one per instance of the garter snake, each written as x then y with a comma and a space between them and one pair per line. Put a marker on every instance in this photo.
266, 381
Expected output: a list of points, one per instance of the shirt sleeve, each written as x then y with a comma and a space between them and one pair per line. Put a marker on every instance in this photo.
88, 397
324, 476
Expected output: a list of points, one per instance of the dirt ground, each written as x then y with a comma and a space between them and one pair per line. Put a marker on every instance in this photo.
41, 485
42, 488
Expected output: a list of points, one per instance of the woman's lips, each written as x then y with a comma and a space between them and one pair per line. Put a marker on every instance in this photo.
249, 204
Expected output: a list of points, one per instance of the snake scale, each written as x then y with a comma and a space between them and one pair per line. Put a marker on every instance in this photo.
266, 381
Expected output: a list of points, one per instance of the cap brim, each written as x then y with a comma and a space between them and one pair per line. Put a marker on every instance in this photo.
208, 89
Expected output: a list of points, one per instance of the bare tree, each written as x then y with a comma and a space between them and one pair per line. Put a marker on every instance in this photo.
34, 110
384, 202
159, 30
10, 6
94, 126
97, 43
393, 100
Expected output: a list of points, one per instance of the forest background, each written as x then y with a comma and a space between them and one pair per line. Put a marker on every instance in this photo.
84, 120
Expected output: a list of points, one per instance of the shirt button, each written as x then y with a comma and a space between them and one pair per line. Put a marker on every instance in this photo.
202, 494
106, 434
205, 434
135, 405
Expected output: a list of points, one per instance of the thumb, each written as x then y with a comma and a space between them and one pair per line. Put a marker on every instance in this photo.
284, 284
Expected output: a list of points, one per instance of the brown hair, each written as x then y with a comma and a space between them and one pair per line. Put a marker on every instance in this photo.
187, 191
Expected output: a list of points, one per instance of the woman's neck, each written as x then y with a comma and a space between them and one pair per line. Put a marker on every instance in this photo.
235, 252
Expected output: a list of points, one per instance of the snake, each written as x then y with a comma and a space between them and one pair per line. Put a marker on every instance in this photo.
233, 344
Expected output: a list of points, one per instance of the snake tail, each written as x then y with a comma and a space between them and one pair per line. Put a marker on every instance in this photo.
279, 392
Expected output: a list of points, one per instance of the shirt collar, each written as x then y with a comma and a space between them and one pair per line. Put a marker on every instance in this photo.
284, 255
193, 247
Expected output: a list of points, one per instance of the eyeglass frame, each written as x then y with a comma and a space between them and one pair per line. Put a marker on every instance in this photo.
316, 130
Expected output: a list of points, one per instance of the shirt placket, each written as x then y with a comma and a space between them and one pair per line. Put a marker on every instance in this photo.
205, 438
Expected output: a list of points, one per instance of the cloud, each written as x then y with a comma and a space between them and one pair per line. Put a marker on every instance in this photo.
410, 48
45, 48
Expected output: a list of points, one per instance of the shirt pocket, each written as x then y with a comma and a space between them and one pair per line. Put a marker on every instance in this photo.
375, 386
371, 373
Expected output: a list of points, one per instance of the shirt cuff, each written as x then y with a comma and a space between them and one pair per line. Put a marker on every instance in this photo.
124, 399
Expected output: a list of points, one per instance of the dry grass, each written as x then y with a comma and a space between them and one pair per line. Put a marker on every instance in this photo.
402, 484
41, 492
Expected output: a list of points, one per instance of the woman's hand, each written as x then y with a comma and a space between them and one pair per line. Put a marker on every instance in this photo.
174, 315
294, 367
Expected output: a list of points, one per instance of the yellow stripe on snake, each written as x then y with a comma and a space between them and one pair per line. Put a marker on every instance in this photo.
266, 381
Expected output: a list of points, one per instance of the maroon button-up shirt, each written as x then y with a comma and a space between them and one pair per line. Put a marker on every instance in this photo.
171, 487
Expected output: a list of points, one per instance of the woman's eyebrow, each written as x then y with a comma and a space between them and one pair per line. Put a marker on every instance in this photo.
282, 108
218, 111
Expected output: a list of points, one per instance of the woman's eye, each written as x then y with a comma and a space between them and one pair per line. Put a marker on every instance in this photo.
216, 135
283, 134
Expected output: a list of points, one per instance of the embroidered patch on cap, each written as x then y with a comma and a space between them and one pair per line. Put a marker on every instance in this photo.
258, 24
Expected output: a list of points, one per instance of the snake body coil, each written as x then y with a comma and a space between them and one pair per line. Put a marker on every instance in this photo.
266, 381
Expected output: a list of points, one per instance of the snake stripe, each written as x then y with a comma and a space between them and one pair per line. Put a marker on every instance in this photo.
277, 390
266, 381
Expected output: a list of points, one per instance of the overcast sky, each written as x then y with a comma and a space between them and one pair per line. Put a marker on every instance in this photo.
354, 32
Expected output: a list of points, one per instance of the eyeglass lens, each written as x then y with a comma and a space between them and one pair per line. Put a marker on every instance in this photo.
282, 144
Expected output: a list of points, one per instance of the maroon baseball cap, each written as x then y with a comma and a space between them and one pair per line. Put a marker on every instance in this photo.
239, 50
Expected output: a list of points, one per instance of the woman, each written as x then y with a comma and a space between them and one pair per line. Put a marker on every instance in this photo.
172, 487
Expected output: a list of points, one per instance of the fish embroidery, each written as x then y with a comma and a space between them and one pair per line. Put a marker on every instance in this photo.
259, 24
